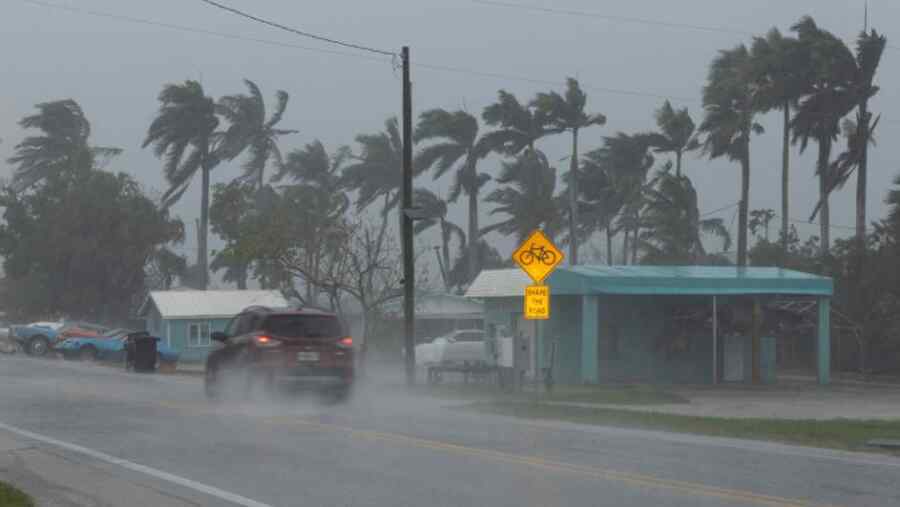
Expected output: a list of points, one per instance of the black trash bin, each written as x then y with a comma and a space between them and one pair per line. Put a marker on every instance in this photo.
140, 353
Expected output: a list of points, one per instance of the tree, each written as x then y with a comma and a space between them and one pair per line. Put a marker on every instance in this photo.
820, 111
62, 151
860, 134
111, 232
728, 101
676, 133
601, 202
759, 220
566, 113
673, 225
486, 257
435, 209
628, 162
250, 130
376, 171
232, 206
163, 268
184, 135
783, 76
457, 144
527, 198
517, 126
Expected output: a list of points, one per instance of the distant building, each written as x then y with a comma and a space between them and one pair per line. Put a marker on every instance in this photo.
185, 319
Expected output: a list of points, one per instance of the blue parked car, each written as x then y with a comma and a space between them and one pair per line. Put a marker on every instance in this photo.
111, 347
37, 338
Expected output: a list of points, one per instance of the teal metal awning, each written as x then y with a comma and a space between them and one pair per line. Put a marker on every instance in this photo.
686, 280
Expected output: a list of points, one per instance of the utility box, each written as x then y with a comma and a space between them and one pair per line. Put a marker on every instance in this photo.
738, 359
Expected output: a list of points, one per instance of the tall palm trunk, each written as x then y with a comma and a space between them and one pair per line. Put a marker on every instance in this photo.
609, 250
744, 206
445, 251
202, 259
861, 177
473, 225
573, 200
634, 245
785, 182
824, 209
678, 163
625, 248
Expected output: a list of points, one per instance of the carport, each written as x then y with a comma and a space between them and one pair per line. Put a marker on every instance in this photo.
651, 323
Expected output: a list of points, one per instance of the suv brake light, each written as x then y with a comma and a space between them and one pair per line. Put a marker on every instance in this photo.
345, 342
266, 341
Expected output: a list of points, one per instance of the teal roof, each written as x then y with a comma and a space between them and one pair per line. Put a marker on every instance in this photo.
686, 280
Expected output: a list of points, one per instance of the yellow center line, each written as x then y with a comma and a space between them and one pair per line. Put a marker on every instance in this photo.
689, 488
643, 480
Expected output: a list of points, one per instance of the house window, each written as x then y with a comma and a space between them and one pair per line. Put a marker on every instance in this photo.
198, 334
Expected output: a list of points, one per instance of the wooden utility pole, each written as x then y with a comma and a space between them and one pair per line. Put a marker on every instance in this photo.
406, 227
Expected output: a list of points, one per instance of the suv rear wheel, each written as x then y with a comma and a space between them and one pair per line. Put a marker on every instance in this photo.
212, 384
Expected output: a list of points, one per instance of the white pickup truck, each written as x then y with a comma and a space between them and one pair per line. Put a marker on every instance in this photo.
460, 348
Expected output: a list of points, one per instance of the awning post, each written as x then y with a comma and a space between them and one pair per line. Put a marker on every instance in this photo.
715, 341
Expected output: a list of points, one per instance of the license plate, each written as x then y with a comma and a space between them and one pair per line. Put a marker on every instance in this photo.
307, 357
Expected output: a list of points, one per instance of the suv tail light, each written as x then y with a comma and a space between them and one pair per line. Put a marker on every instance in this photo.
264, 341
345, 342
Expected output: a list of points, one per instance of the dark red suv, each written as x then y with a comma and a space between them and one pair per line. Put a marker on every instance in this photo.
304, 349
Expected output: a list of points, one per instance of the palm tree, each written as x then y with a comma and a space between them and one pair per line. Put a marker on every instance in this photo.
63, 149
567, 114
869, 48
819, 113
527, 198
457, 145
517, 126
601, 203
728, 100
783, 75
674, 225
629, 161
486, 257
312, 166
249, 129
676, 133
376, 172
184, 134
435, 209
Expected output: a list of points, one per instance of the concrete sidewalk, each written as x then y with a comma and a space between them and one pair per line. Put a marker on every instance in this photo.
59, 478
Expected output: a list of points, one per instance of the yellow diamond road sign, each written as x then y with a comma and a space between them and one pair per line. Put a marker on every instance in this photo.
537, 256
537, 302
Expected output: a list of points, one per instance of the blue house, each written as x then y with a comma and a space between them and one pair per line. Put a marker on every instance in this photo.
186, 318
663, 324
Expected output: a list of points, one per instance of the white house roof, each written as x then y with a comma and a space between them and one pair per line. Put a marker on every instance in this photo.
439, 306
496, 283
187, 304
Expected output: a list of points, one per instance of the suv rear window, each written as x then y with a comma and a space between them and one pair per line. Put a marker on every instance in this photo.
304, 326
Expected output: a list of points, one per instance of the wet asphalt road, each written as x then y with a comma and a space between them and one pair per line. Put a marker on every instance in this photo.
386, 448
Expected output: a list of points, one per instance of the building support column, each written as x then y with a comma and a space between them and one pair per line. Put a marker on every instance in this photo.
823, 348
715, 341
590, 331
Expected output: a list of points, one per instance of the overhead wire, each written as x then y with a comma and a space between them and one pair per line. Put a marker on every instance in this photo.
202, 31
302, 33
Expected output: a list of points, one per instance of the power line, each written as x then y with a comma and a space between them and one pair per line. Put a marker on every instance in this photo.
723, 208
433, 67
607, 17
818, 224
299, 32
189, 29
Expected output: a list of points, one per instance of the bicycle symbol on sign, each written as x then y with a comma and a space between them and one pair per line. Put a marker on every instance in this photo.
539, 254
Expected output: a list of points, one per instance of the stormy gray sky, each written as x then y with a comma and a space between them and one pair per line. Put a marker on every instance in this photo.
115, 69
